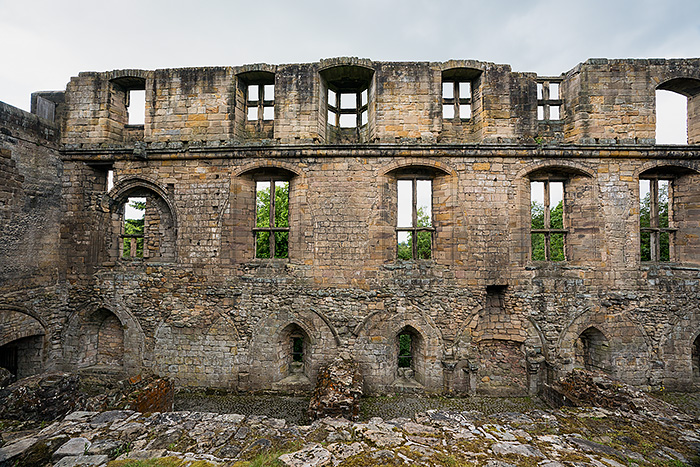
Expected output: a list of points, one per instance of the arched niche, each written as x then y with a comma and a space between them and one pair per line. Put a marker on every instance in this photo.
22, 343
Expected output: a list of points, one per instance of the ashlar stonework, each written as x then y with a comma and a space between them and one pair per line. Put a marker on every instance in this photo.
455, 227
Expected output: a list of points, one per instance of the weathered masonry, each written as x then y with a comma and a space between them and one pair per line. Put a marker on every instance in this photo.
456, 227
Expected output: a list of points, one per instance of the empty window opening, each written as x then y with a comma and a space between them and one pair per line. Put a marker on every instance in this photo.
695, 355
655, 219
548, 99
133, 228
671, 117
414, 225
260, 102
297, 348
110, 179
405, 359
592, 350
547, 230
271, 219
348, 109
456, 99
294, 353
136, 106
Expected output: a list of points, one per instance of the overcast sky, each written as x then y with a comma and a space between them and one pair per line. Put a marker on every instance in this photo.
44, 43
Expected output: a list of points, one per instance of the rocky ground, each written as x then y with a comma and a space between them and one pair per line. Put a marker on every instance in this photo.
442, 437
614, 425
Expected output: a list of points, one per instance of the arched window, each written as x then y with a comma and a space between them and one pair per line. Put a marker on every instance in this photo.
547, 219
414, 217
294, 344
410, 353
678, 111
145, 226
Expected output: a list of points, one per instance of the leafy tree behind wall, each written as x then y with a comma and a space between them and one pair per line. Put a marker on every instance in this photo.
262, 219
424, 246
556, 241
135, 227
645, 221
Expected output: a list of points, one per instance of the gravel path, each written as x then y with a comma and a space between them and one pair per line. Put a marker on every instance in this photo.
293, 409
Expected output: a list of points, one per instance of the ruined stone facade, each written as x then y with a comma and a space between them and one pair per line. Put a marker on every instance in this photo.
469, 306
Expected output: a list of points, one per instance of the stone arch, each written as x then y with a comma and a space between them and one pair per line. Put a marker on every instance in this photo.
678, 351
105, 340
160, 220
270, 348
417, 163
628, 355
23, 342
376, 350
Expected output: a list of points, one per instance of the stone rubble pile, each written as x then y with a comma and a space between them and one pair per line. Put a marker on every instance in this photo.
338, 390
49, 396
541, 438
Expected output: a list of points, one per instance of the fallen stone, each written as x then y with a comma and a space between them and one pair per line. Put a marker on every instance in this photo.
75, 461
10, 453
590, 446
383, 439
73, 447
311, 455
43, 397
518, 449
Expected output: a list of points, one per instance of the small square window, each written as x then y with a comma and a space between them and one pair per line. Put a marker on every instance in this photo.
465, 112
252, 113
448, 90
554, 112
348, 120
448, 111
268, 113
260, 102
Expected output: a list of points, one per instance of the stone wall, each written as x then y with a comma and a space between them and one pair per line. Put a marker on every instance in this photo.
483, 315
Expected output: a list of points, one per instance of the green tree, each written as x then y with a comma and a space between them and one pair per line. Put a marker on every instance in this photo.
135, 227
424, 245
262, 220
645, 221
556, 240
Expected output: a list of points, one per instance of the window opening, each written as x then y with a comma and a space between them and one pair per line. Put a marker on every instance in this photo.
134, 225
548, 99
297, 348
456, 100
261, 102
671, 117
110, 179
655, 219
348, 109
414, 228
547, 220
405, 359
272, 219
136, 106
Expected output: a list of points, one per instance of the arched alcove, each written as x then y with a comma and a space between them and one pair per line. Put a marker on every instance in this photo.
592, 350
22, 343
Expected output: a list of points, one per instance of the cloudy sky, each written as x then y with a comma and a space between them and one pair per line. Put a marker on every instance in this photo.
44, 43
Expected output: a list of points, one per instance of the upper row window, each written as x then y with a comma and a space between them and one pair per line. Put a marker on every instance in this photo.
457, 100
348, 109
260, 101
548, 99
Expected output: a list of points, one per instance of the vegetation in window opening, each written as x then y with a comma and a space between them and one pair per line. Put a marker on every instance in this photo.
645, 221
405, 355
281, 219
134, 227
424, 246
556, 241
297, 349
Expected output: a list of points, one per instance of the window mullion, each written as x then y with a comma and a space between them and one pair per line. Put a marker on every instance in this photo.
414, 215
272, 219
